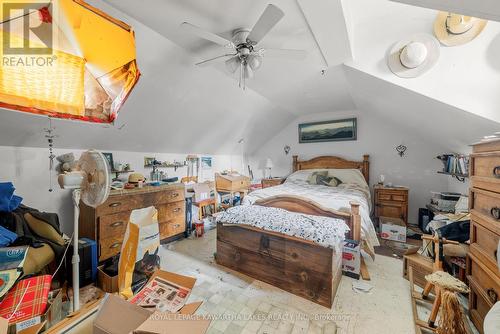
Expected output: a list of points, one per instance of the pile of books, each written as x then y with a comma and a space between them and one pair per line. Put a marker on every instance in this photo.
455, 163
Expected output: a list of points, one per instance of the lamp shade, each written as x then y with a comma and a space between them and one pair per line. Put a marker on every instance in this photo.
269, 163
79, 62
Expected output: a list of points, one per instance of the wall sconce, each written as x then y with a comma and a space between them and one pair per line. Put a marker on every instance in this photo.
286, 149
401, 149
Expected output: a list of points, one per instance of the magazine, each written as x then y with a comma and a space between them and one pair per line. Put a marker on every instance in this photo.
163, 295
11, 266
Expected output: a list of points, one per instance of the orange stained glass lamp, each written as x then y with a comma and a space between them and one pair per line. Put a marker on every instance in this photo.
65, 59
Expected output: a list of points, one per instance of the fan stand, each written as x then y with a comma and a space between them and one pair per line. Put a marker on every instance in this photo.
75, 259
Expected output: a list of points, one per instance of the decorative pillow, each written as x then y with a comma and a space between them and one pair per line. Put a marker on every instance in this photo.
323, 180
313, 178
334, 182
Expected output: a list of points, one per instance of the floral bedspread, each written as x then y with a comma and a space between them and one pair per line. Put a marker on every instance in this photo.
325, 231
336, 198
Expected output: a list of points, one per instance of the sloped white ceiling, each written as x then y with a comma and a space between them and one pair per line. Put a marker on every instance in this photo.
175, 107
178, 107
466, 76
298, 86
435, 121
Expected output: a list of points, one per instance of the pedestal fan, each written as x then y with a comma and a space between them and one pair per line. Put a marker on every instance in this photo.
90, 183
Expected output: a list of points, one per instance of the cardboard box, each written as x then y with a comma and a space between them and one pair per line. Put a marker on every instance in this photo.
105, 282
50, 317
392, 229
118, 316
351, 258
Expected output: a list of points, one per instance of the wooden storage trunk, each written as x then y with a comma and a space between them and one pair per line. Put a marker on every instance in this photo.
299, 267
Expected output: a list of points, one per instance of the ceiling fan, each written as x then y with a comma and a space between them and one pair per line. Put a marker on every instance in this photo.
246, 56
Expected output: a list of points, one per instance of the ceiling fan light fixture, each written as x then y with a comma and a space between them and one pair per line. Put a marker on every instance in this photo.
247, 71
232, 64
254, 61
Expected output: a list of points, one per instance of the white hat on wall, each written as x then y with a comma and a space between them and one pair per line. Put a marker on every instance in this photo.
413, 56
456, 29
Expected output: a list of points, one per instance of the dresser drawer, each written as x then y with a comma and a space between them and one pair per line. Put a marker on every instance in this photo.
171, 211
488, 282
120, 203
113, 225
168, 196
478, 304
485, 171
398, 198
384, 197
484, 242
486, 203
109, 247
172, 227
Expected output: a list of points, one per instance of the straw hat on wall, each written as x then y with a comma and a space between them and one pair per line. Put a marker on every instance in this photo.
413, 56
455, 29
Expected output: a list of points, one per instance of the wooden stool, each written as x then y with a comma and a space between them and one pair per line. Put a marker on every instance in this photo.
444, 282
438, 256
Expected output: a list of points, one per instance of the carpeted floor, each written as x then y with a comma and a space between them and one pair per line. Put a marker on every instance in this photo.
248, 306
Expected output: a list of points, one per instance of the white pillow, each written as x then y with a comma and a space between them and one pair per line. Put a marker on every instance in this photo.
302, 175
349, 176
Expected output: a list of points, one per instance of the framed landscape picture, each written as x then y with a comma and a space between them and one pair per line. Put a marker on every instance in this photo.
336, 130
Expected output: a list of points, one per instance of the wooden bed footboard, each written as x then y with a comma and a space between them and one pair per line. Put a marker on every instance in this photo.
298, 266
304, 205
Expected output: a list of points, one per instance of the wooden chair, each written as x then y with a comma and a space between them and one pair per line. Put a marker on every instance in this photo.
206, 188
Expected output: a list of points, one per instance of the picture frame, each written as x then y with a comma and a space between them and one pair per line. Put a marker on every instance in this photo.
148, 161
325, 131
109, 158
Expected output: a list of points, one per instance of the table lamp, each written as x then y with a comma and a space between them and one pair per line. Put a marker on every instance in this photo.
269, 165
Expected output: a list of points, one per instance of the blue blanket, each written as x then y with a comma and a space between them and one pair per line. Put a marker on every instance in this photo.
8, 201
6, 237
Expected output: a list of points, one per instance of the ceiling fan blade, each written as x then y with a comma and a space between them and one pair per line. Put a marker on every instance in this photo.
284, 53
208, 61
266, 22
192, 29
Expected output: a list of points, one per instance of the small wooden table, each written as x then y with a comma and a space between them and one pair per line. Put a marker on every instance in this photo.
391, 202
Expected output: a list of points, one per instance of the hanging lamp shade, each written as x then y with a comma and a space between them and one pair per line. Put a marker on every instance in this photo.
74, 61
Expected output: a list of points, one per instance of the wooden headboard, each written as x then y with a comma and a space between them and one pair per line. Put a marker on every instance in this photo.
327, 162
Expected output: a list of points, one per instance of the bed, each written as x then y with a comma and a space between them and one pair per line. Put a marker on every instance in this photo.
290, 262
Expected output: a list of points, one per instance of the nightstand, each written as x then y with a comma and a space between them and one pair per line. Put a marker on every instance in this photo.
391, 202
275, 181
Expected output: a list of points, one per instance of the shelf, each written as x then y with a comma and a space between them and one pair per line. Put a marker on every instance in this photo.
453, 174
165, 166
118, 172
459, 177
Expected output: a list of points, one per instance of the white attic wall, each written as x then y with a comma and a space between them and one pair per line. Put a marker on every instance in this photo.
466, 77
378, 137
27, 169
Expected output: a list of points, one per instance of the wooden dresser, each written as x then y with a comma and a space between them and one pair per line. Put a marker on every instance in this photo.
107, 223
484, 202
391, 202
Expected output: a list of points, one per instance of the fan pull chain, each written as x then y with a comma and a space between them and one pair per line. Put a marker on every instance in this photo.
50, 138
